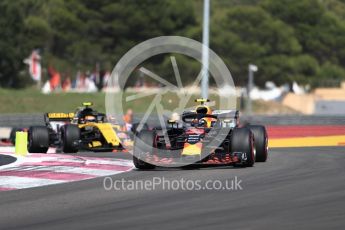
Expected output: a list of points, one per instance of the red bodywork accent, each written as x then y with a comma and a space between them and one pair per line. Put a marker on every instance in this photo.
195, 131
287, 131
227, 159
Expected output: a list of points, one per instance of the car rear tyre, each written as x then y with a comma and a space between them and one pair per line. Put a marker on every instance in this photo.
242, 141
13, 134
38, 139
143, 143
70, 135
260, 142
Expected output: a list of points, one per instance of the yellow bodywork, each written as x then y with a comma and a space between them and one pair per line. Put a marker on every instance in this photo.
95, 144
192, 149
202, 100
87, 104
107, 131
60, 115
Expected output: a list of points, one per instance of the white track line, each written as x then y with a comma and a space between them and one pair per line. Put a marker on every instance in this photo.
23, 173
66, 169
23, 182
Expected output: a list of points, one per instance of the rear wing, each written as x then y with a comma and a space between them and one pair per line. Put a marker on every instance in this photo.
226, 114
58, 117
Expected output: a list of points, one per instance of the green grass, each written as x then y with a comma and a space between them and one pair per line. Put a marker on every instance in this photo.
33, 101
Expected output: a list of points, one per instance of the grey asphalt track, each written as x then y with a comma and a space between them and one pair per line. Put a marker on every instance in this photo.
300, 188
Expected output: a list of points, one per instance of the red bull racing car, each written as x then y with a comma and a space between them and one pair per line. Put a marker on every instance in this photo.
204, 138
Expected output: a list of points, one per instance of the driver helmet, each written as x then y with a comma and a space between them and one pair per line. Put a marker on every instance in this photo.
206, 122
203, 109
90, 118
202, 122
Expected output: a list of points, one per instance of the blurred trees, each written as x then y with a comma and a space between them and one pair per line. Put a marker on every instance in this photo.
74, 35
301, 40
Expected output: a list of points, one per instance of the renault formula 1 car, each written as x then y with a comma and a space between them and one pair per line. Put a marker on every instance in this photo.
205, 137
86, 129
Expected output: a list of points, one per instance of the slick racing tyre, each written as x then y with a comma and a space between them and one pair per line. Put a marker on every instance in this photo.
260, 142
242, 141
38, 139
13, 135
143, 143
70, 135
